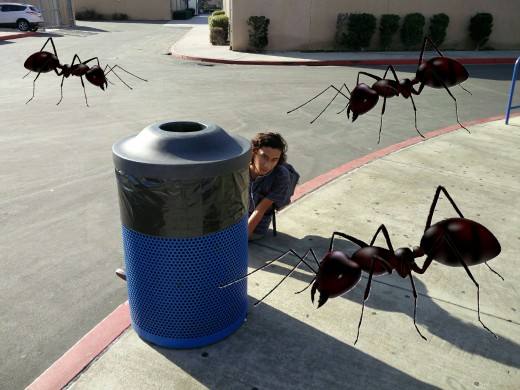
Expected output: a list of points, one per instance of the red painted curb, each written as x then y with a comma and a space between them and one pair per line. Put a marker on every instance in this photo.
64, 370
14, 36
76, 359
465, 61
316, 183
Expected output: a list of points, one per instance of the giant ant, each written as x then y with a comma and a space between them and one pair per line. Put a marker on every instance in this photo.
456, 242
363, 98
44, 62
436, 72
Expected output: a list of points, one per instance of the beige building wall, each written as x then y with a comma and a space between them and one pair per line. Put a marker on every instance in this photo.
311, 24
134, 9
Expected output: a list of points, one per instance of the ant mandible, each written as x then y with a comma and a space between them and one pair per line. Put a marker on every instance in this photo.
43, 62
453, 242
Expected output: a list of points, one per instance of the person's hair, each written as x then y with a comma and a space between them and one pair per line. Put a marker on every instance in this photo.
270, 140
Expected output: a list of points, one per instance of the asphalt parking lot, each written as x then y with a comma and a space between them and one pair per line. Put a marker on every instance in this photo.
60, 240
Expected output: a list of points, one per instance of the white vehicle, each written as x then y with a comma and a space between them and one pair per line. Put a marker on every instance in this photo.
22, 16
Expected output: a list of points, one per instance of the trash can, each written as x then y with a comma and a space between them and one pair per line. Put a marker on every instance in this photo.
183, 197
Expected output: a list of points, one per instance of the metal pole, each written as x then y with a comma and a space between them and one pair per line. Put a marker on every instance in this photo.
511, 91
41, 10
71, 14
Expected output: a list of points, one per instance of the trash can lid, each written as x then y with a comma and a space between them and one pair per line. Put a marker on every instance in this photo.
181, 150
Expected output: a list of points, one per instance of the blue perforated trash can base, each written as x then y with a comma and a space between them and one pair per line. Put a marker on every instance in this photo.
173, 286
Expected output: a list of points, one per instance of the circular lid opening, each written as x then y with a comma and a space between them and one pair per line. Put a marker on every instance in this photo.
182, 127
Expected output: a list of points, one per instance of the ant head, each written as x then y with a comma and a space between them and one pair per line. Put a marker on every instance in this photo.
96, 76
362, 99
337, 274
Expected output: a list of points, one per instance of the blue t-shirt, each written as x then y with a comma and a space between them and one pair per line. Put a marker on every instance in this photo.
273, 186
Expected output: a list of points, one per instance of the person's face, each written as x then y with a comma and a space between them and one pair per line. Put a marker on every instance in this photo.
265, 160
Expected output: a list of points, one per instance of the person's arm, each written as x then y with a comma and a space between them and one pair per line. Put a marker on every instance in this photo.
257, 215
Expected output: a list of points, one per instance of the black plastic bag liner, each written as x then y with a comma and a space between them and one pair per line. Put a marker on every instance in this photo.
182, 179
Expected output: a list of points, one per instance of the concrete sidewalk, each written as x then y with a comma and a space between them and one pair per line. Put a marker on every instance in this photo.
195, 46
287, 344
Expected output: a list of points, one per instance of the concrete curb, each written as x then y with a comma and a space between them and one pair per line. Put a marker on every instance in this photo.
378, 62
76, 359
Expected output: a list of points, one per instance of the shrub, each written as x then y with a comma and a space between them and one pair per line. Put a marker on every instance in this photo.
437, 30
258, 32
217, 36
219, 20
192, 10
341, 30
89, 14
182, 14
218, 12
480, 28
412, 30
361, 28
119, 16
388, 26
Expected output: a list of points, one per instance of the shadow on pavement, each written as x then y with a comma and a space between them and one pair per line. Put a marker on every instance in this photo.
391, 293
273, 350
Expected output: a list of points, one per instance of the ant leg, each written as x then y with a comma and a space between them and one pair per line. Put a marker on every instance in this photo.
381, 120
84, 91
391, 68
34, 86
433, 45
492, 270
456, 252
124, 70
454, 100
120, 79
334, 98
367, 291
446, 239
289, 274
415, 307
61, 88
434, 203
424, 48
370, 75
338, 92
456, 108
38, 75
460, 85
415, 115
305, 288
66, 74
314, 278
382, 228
292, 251
346, 236
111, 69
52, 43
